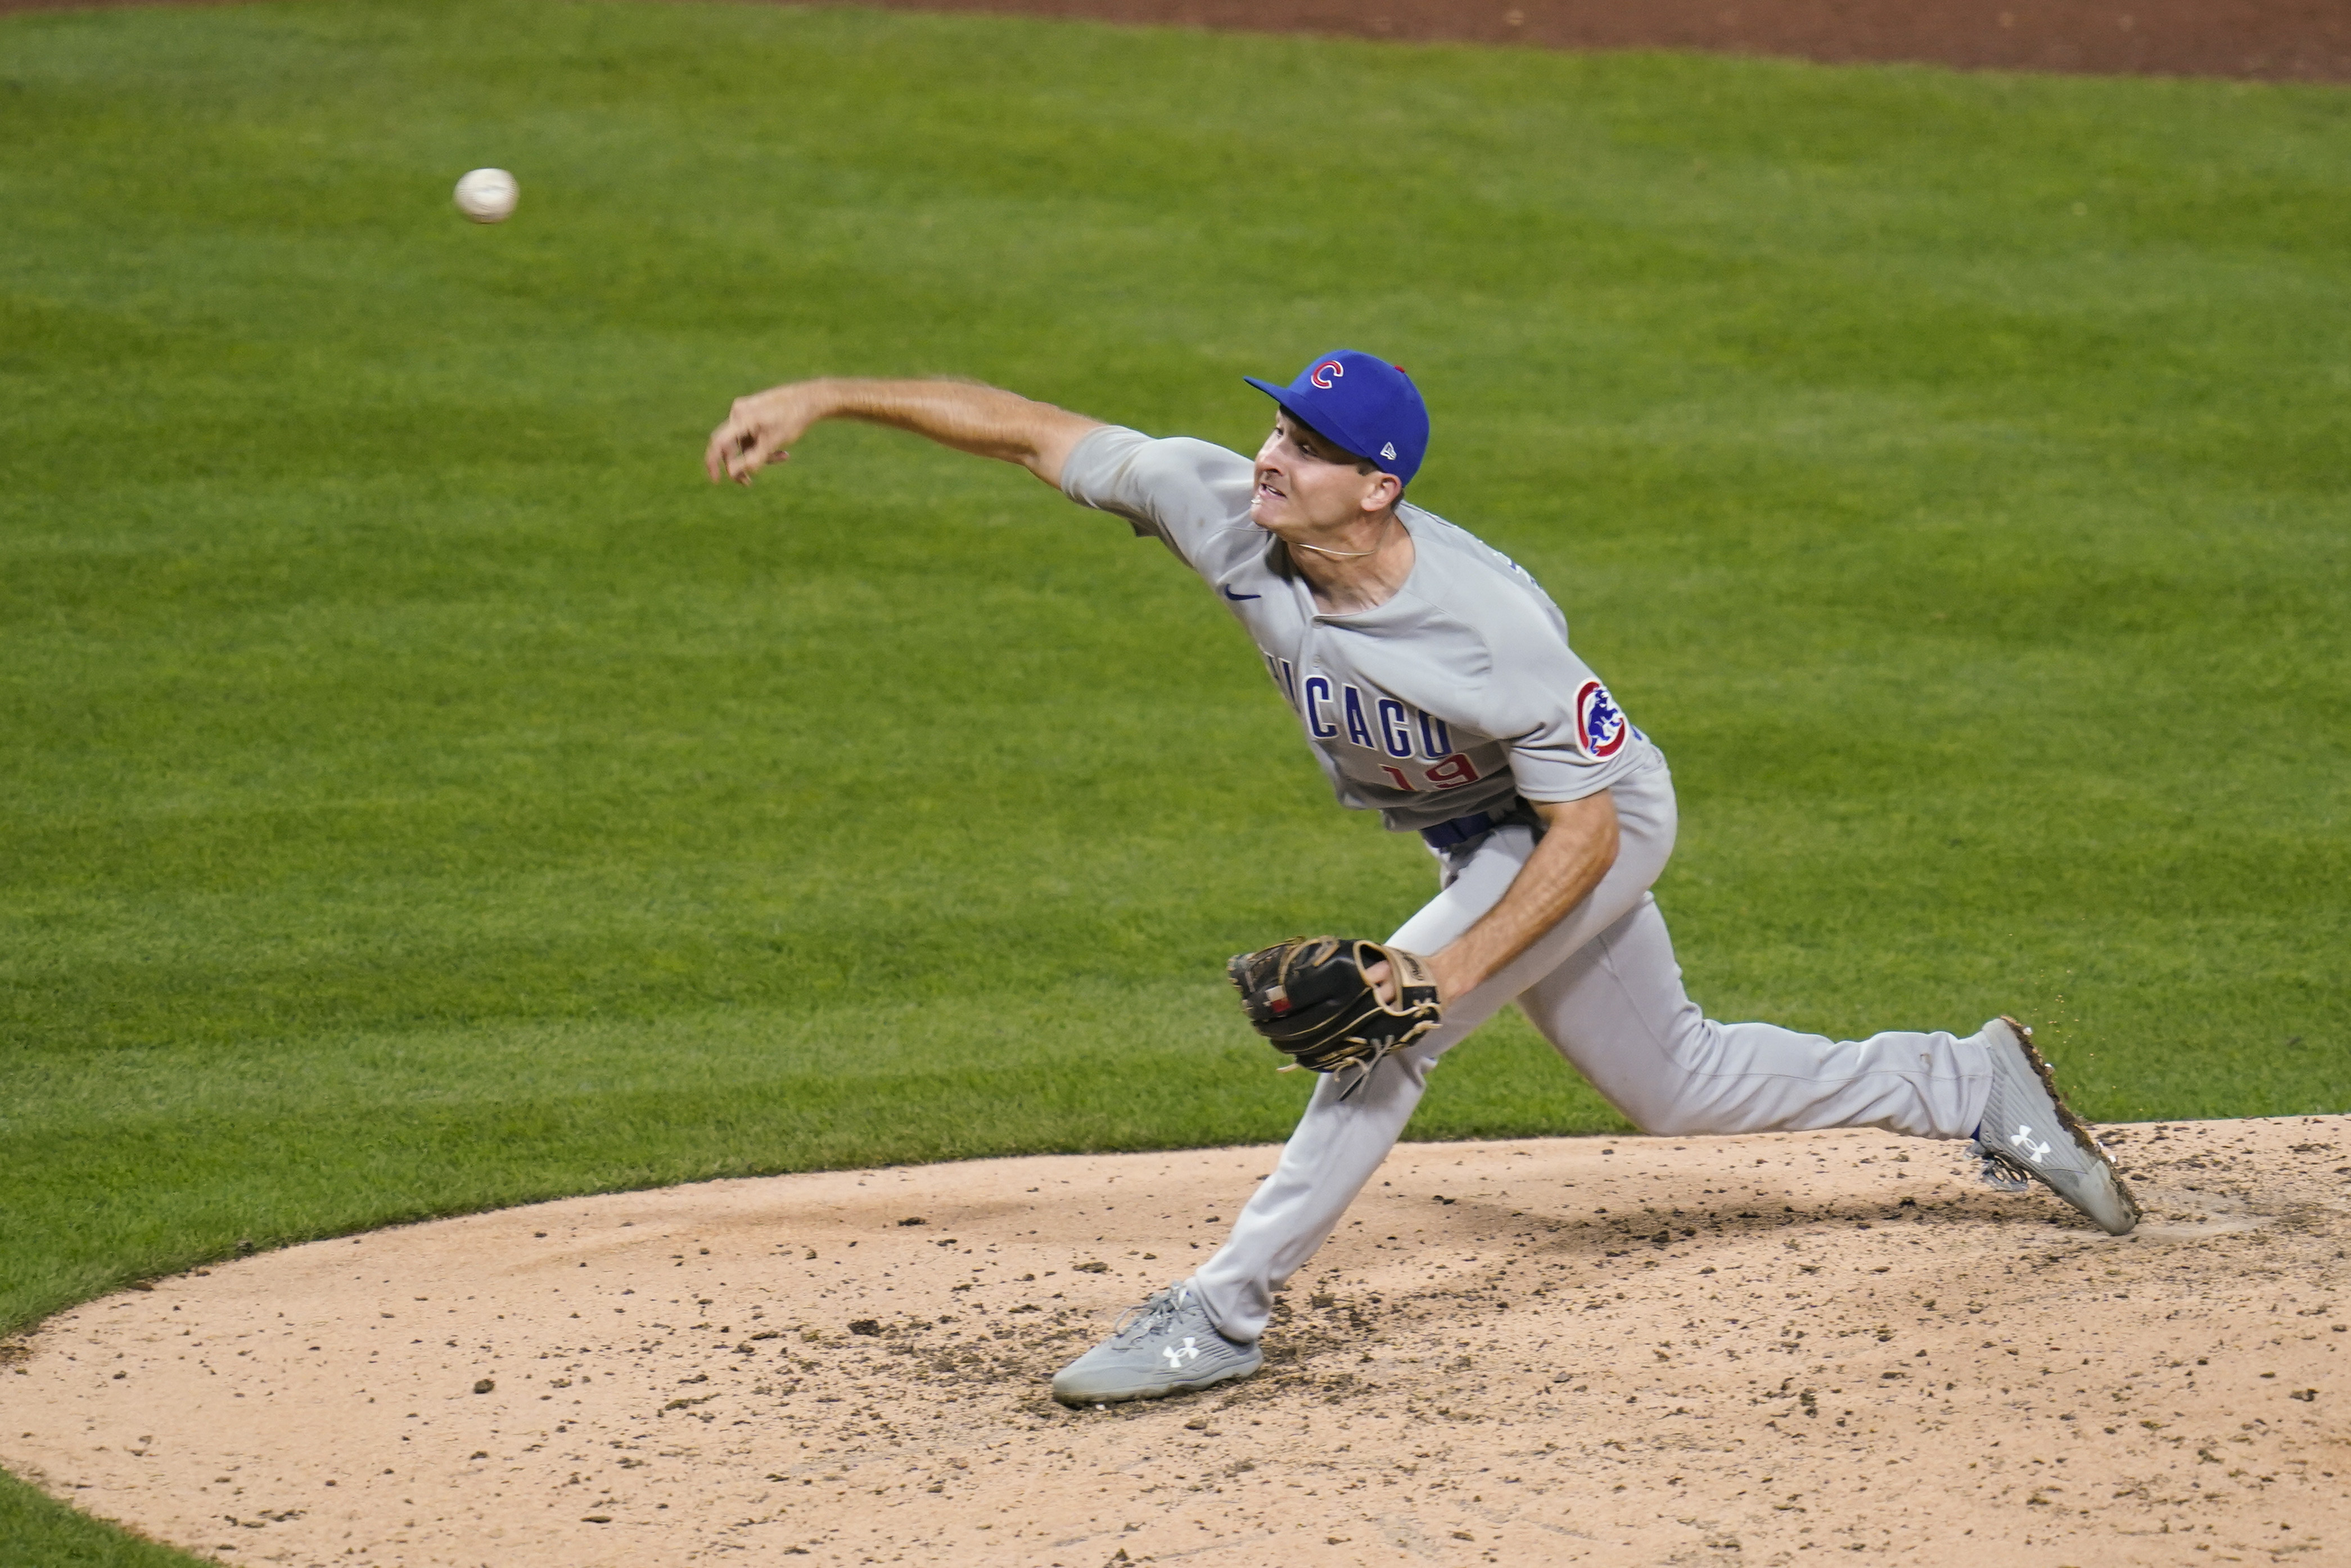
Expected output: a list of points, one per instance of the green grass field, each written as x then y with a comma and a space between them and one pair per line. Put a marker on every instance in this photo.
424, 793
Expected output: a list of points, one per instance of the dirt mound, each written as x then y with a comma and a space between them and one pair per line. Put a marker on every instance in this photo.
1612, 1351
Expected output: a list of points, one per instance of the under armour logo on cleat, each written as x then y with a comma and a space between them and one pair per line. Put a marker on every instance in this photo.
1177, 1354
2023, 1139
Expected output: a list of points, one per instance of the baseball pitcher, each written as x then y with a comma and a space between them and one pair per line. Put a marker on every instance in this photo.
1435, 681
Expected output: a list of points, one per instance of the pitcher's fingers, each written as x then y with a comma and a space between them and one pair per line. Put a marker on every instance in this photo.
716, 456
740, 453
756, 451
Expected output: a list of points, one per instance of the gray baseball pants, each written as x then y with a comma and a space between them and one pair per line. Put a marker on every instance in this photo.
1602, 985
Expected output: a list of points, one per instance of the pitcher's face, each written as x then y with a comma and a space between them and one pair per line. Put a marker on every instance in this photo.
1305, 484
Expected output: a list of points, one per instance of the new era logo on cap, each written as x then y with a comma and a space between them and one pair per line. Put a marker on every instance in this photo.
1363, 403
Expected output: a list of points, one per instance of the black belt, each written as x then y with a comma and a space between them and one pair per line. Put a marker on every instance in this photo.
1462, 829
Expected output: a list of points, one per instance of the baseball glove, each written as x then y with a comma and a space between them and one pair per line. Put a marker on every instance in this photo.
1308, 996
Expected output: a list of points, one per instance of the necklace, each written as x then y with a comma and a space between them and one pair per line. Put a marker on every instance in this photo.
1342, 554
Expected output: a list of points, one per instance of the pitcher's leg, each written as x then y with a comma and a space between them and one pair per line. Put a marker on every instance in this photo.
1337, 1146
1617, 1010
1339, 1143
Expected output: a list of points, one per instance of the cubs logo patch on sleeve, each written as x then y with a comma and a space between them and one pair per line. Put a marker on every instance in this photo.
1599, 722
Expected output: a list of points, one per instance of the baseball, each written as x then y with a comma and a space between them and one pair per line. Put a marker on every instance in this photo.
487, 195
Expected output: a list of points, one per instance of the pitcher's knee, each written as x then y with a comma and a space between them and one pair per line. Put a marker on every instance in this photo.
1680, 1089
1688, 1117
1675, 1103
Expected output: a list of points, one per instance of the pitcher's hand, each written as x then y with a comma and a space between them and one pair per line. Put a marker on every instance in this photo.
759, 429
1381, 978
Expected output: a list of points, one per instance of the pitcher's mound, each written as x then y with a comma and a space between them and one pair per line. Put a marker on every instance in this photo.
1590, 1350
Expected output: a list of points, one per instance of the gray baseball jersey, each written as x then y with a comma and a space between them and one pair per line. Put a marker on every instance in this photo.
1458, 694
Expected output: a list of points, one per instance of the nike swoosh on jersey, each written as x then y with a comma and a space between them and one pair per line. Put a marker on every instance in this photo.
1236, 597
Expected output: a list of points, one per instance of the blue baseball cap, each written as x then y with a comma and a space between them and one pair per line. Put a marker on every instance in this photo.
1363, 403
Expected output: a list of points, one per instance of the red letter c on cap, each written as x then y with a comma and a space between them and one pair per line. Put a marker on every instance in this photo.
1323, 371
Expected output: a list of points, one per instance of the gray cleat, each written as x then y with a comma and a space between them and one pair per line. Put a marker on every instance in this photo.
1166, 1345
2028, 1131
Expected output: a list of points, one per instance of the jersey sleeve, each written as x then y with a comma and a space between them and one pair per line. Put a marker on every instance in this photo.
1566, 737
1178, 490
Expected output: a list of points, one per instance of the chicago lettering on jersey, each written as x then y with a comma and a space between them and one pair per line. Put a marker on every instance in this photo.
1376, 723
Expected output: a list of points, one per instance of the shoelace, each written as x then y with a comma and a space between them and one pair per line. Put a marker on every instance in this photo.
1157, 1309
1996, 1173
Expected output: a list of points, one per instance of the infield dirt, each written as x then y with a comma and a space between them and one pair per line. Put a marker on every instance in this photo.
2274, 40
2280, 40
1580, 1350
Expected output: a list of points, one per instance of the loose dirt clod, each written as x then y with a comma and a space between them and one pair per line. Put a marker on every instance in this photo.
1649, 1351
